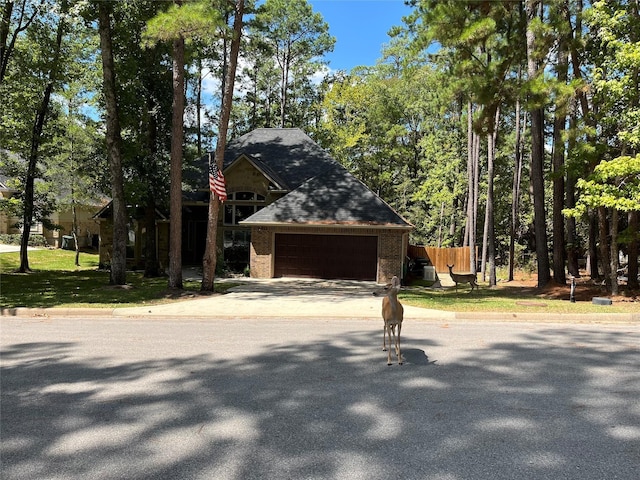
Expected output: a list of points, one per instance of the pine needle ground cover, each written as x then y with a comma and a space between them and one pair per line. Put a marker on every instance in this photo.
518, 297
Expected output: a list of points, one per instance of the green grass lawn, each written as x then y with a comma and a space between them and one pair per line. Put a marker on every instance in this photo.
56, 282
503, 300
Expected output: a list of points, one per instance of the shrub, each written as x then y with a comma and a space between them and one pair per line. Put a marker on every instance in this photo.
15, 239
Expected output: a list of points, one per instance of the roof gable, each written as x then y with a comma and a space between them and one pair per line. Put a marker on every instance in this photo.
333, 197
287, 154
271, 176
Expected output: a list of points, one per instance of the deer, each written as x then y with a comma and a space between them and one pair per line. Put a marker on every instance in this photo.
392, 313
469, 278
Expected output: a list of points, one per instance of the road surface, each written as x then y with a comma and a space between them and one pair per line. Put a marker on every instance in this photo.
159, 398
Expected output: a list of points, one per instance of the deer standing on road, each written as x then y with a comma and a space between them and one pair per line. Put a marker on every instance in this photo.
469, 278
392, 313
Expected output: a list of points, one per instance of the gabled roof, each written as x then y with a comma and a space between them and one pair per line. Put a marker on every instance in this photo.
135, 210
286, 154
332, 197
267, 171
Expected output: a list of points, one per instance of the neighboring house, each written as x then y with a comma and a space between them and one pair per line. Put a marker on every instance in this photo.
136, 236
6, 192
88, 228
292, 210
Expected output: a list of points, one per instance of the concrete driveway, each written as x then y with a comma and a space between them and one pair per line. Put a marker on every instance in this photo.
268, 398
12, 248
285, 298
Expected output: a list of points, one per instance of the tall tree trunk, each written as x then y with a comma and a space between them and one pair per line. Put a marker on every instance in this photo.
7, 45
570, 199
113, 139
492, 139
634, 228
603, 244
476, 200
74, 228
613, 252
440, 225
537, 156
36, 139
5, 24
515, 193
175, 189
283, 93
198, 108
559, 126
488, 241
593, 246
471, 204
151, 263
210, 258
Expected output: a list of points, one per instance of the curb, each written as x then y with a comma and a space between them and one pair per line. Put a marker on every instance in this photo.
544, 317
55, 311
432, 316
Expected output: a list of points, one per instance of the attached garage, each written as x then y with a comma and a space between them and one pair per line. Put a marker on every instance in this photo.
350, 257
317, 220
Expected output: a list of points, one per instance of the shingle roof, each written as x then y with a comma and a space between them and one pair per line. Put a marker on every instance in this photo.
288, 152
333, 197
321, 190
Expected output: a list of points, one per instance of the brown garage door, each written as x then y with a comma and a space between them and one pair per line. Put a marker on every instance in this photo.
326, 256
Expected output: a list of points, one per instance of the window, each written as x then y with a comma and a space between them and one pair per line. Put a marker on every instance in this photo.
36, 228
241, 205
131, 241
236, 249
246, 197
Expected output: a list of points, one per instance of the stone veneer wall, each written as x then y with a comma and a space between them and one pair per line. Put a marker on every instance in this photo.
392, 248
106, 242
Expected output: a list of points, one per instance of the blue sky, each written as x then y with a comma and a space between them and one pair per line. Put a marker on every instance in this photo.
360, 28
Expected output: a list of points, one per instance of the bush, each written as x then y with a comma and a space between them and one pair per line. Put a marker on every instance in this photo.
15, 239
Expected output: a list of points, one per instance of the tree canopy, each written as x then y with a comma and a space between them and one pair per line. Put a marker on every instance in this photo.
513, 127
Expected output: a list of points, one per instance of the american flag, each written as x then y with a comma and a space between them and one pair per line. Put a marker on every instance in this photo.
216, 180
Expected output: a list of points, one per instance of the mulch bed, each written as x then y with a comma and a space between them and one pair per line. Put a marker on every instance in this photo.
586, 290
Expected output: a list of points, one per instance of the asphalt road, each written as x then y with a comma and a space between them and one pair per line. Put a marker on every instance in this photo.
158, 398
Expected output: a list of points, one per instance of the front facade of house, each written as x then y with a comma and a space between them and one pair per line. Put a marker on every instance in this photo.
316, 220
291, 211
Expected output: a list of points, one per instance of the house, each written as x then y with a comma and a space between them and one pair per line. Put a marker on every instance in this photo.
302, 214
291, 211
7, 222
87, 227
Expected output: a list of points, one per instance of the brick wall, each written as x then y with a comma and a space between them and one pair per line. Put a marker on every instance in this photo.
261, 252
392, 249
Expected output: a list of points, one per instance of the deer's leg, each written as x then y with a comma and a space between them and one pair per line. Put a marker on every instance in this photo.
384, 333
390, 329
398, 353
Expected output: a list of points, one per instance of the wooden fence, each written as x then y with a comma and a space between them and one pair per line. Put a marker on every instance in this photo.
441, 257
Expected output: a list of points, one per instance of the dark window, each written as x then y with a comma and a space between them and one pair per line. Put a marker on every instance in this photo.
241, 205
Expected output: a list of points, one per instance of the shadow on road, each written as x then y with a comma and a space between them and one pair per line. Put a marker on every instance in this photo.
553, 404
